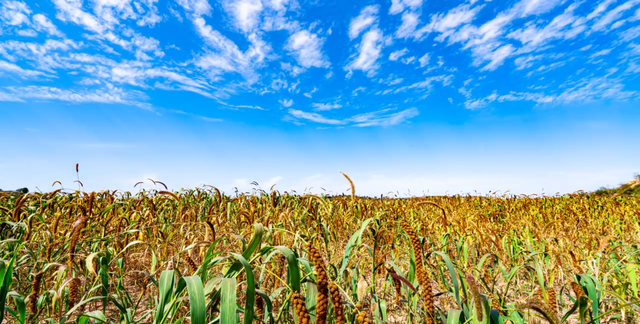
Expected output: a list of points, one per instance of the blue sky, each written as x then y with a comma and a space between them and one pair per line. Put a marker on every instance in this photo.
405, 96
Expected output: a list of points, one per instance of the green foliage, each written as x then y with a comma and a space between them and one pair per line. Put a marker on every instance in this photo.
205, 258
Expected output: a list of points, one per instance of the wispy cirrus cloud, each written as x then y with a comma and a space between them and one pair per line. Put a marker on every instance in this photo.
384, 117
7, 67
254, 54
397, 6
583, 91
108, 95
314, 117
326, 106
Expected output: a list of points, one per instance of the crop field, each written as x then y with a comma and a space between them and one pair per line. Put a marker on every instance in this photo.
199, 256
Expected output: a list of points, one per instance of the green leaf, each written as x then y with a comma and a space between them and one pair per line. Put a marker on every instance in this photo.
293, 274
268, 304
250, 300
293, 270
453, 274
95, 315
311, 299
228, 301
80, 304
196, 299
353, 241
104, 278
582, 303
6, 273
20, 306
455, 317
166, 291
258, 232
593, 293
633, 278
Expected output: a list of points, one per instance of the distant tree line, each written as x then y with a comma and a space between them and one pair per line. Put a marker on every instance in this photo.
21, 190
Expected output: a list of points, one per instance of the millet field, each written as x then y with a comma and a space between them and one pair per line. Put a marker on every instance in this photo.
200, 256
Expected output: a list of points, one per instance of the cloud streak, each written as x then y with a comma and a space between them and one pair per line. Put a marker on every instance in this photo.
300, 61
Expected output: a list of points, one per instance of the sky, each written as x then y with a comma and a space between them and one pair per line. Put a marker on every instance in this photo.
407, 97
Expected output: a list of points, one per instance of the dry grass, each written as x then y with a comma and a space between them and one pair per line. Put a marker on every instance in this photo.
531, 257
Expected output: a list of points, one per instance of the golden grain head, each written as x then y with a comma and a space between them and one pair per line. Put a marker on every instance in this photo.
566, 235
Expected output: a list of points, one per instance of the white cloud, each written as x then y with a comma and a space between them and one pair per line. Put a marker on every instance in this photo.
583, 91
394, 81
424, 86
368, 16
111, 12
197, 7
408, 60
226, 56
310, 93
14, 13
594, 89
238, 57
307, 49
601, 53
314, 117
394, 56
497, 57
109, 95
326, 106
602, 6
563, 26
42, 23
286, 102
105, 22
15, 16
71, 11
397, 6
634, 49
447, 23
586, 47
535, 7
23, 73
138, 75
383, 118
485, 41
410, 21
525, 62
27, 33
279, 5
357, 90
424, 60
368, 53
630, 34
246, 13
612, 16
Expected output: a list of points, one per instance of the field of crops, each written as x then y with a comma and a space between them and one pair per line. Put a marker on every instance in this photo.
199, 256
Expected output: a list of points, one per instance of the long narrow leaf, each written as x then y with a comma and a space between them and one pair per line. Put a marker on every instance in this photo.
353, 241
251, 289
6, 273
196, 299
228, 301
165, 291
